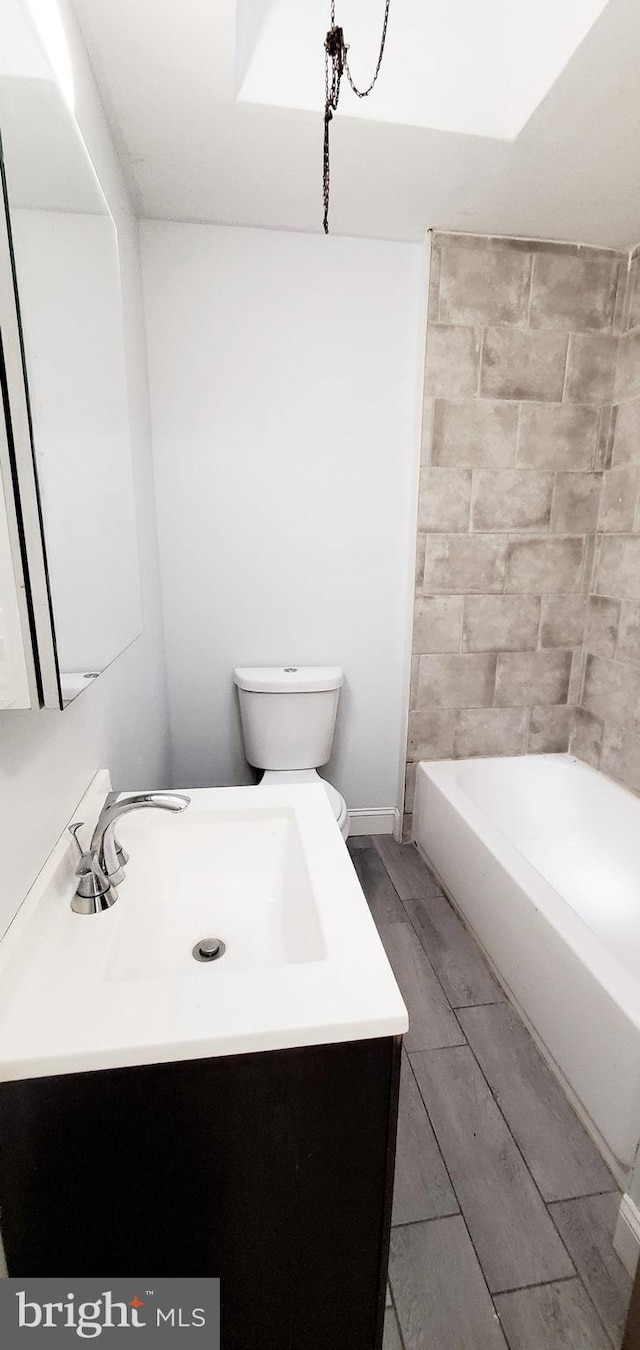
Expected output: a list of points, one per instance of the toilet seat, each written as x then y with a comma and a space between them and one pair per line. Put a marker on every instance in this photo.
336, 800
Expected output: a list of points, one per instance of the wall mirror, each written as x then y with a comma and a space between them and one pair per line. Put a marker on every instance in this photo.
65, 457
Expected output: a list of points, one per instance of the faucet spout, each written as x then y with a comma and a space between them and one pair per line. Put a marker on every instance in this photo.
104, 844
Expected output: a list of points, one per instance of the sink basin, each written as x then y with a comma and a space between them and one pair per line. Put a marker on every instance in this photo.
213, 871
263, 869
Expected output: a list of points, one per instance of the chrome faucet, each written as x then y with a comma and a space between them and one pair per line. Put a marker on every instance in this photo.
101, 866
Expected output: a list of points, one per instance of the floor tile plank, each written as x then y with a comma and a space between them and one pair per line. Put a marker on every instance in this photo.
382, 899
440, 1296
422, 1189
551, 1317
556, 1147
455, 957
358, 841
511, 1231
391, 1339
431, 1021
409, 874
587, 1228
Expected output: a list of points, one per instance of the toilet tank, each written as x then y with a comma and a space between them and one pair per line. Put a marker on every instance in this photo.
288, 714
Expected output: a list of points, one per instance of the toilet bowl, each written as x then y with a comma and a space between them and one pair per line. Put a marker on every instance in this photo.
288, 717
337, 802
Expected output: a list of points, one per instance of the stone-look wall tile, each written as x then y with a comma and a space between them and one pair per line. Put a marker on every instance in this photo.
628, 648
576, 502
626, 440
591, 368
407, 828
619, 500
467, 433
586, 739
557, 436
490, 731
511, 500
430, 733
500, 623
421, 546
576, 294
409, 788
482, 286
529, 512
529, 679
435, 269
612, 692
576, 678
437, 623
621, 756
601, 633
523, 365
623, 298
618, 570
445, 495
588, 565
627, 383
428, 405
453, 355
545, 566
562, 620
457, 681
550, 730
465, 563
413, 687
604, 446
632, 308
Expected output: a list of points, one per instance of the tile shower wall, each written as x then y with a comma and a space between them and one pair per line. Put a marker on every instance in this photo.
520, 371
607, 728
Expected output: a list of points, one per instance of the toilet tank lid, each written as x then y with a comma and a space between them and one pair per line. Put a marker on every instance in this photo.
288, 679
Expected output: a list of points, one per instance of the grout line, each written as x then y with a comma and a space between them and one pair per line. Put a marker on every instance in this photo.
586, 1195
431, 1218
537, 1284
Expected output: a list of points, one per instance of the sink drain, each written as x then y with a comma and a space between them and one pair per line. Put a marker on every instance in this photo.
209, 949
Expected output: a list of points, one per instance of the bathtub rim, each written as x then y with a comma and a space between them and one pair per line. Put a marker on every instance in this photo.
614, 977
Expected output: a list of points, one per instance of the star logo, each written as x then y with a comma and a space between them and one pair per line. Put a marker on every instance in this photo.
136, 1302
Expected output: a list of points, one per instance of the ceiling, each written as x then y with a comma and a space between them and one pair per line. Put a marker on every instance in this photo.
449, 65
169, 74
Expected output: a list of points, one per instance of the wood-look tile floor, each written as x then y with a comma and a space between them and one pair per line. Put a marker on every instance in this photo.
503, 1209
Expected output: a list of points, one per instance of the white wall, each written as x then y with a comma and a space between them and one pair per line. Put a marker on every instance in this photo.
283, 376
48, 758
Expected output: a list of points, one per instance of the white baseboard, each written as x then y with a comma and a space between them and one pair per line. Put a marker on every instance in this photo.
626, 1238
374, 820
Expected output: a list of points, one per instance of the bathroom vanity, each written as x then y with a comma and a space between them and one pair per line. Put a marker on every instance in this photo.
232, 1118
272, 1170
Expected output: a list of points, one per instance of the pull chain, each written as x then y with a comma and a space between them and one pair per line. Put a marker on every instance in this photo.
336, 65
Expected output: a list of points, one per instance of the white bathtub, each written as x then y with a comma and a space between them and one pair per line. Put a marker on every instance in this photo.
541, 855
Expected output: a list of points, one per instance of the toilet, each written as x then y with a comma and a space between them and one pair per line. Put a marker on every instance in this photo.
288, 719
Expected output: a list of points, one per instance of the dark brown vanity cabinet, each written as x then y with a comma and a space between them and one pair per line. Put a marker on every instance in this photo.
273, 1171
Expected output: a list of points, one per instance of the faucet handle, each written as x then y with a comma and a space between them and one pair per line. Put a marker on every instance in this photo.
73, 829
94, 891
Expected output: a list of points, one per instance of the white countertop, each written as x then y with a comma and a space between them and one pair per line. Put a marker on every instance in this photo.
121, 988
